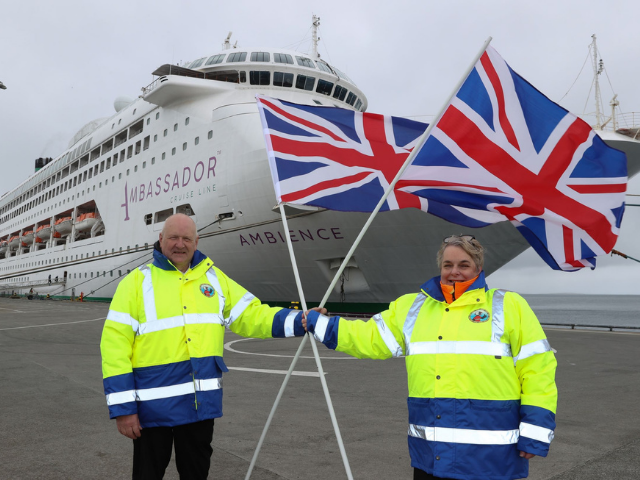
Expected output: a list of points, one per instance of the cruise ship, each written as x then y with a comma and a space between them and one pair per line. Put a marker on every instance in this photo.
192, 143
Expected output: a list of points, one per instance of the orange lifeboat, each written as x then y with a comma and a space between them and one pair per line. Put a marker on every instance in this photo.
43, 233
27, 238
14, 242
63, 226
86, 221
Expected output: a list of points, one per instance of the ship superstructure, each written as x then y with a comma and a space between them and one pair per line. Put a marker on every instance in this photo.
192, 143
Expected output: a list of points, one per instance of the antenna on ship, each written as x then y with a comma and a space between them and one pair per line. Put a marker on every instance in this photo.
314, 33
227, 44
597, 70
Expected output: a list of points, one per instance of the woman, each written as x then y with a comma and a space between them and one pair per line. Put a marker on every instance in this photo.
481, 373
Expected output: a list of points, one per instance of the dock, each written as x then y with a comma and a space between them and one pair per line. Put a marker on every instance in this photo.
55, 424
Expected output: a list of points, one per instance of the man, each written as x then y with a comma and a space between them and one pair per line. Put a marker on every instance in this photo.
162, 347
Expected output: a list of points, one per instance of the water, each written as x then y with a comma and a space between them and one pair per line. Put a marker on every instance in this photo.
609, 310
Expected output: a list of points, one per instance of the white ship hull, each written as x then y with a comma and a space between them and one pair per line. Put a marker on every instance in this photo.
222, 174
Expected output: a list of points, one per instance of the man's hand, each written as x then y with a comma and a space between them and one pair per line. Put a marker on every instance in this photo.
322, 311
129, 426
526, 455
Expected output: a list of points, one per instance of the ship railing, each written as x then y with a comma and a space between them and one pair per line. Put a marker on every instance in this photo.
149, 88
31, 283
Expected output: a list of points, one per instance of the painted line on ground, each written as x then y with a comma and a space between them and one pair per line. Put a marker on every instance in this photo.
227, 346
278, 372
52, 324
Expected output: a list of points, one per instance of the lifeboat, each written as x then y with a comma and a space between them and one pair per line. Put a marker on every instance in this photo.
43, 233
4, 246
27, 238
86, 221
14, 242
63, 226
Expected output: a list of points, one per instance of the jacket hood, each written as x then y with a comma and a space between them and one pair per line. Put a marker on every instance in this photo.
161, 261
434, 290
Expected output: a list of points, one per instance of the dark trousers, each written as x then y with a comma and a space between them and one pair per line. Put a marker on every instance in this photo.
152, 451
422, 475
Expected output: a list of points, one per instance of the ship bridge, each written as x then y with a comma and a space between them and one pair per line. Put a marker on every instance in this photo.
273, 69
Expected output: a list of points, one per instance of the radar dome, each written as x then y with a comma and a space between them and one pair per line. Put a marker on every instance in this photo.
121, 102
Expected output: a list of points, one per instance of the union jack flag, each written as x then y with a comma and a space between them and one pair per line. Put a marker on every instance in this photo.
503, 151
336, 158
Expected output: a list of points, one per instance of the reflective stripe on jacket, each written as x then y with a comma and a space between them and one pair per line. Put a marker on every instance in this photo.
481, 377
162, 341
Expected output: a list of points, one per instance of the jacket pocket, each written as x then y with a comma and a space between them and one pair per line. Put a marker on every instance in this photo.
221, 364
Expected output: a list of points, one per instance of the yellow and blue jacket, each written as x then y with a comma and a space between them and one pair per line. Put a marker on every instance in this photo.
162, 341
481, 377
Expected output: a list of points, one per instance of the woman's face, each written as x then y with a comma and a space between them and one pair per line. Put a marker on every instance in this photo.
457, 266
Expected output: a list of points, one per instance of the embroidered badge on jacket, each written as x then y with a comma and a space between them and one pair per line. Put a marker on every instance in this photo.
479, 316
207, 290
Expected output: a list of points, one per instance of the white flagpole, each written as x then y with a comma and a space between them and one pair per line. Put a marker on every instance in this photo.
407, 162
325, 388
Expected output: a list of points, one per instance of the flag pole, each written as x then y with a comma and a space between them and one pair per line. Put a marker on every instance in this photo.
323, 381
407, 162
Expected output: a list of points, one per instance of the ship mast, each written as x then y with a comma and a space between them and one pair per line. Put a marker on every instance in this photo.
314, 33
597, 70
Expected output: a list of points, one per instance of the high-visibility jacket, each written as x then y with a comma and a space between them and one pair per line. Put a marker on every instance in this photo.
162, 341
481, 377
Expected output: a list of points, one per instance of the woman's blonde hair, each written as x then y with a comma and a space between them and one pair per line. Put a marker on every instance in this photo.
471, 247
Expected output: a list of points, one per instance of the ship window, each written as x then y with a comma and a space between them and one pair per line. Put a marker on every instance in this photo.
147, 140
186, 121
237, 57
130, 151
186, 209
155, 138
210, 134
304, 82
157, 115
184, 146
100, 185
106, 182
113, 179
165, 132
260, 78
317, 102
101, 166
173, 151
163, 155
127, 172
138, 146
108, 163
115, 159
358, 104
340, 93
95, 154
243, 77
121, 156
215, 59
283, 58
134, 111
91, 274
119, 175
75, 182
196, 141
324, 87
136, 129
147, 218
107, 146
305, 62
135, 169
323, 66
153, 160
260, 57
121, 138
162, 215
144, 164
148, 120
283, 79
351, 98
175, 127
197, 63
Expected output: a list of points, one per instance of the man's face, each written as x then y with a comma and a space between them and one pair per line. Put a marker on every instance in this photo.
179, 240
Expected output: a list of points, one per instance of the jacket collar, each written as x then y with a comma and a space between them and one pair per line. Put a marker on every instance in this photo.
162, 262
432, 287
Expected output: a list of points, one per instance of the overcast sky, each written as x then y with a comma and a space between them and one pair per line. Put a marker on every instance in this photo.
65, 62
